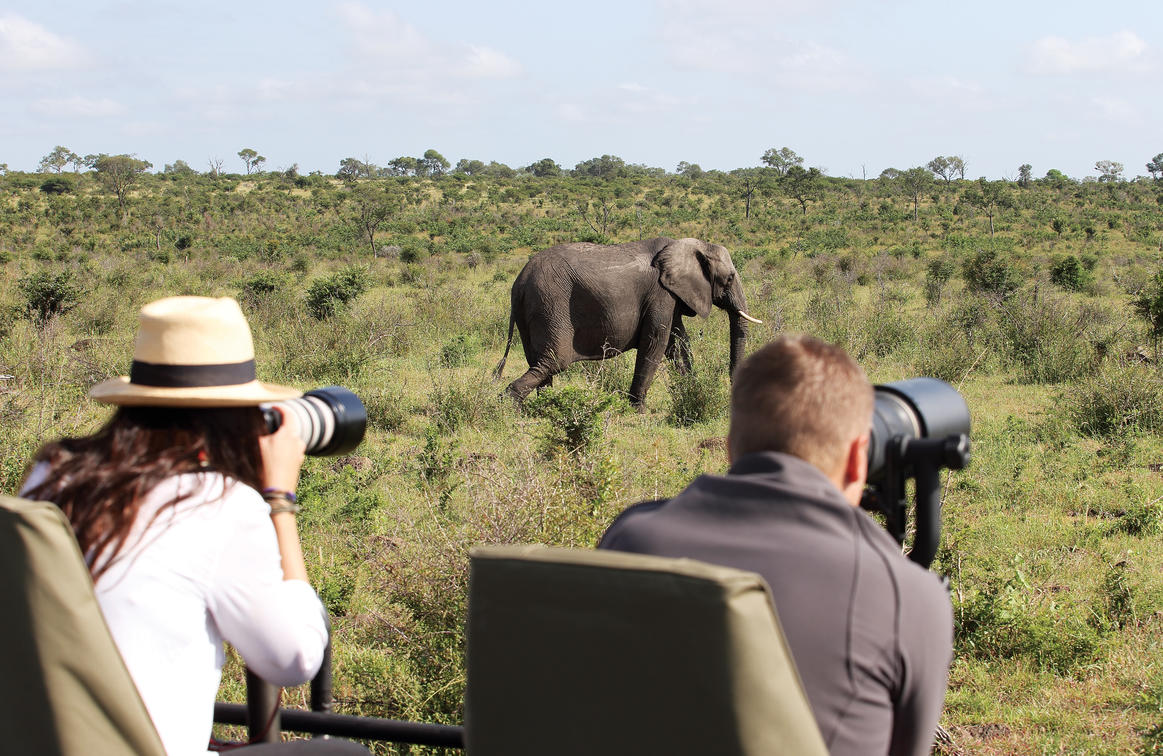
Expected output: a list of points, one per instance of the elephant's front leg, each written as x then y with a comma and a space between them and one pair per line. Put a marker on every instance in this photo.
652, 343
678, 349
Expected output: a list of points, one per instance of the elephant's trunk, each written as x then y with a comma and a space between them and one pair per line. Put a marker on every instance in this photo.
738, 339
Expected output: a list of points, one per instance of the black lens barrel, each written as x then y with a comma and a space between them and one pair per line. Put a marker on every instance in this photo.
914, 408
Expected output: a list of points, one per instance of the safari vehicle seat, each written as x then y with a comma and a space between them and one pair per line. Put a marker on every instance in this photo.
598, 652
65, 688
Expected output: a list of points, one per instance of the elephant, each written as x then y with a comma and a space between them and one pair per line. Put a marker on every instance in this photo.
585, 301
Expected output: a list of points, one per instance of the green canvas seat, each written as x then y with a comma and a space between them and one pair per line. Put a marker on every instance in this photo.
63, 686
599, 652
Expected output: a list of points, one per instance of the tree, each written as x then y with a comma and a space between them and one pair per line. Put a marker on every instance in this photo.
179, 168
371, 207
1109, 171
604, 167
750, 180
782, 159
432, 164
914, 182
118, 173
352, 168
545, 167
403, 166
802, 185
989, 197
1155, 167
469, 167
690, 170
1149, 306
55, 161
215, 166
251, 158
1025, 173
948, 168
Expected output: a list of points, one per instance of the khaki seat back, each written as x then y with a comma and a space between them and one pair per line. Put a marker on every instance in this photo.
599, 652
63, 686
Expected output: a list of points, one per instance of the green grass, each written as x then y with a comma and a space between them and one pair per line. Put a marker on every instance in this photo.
1051, 537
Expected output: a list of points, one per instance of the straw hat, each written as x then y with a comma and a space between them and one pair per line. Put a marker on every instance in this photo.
191, 352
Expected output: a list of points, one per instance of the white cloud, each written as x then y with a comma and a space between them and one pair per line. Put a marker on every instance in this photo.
1122, 51
26, 46
1116, 110
753, 38
487, 63
77, 107
951, 93
402, 50
625, 104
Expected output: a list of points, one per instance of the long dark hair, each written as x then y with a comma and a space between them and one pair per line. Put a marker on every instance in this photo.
100, 481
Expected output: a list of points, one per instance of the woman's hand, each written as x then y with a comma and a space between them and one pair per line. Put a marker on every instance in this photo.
282, 455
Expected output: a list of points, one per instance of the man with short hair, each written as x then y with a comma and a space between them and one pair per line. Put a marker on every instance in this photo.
870, 631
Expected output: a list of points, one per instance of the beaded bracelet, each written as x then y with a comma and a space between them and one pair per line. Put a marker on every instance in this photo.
281, 501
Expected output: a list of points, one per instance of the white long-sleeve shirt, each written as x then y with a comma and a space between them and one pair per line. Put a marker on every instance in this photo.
207, 570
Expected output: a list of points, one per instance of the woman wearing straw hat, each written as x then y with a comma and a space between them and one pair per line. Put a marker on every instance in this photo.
185, 510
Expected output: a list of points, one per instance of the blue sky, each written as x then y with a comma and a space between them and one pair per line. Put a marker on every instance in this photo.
854, 86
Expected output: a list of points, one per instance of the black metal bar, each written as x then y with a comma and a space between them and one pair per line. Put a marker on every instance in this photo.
321, 699
343, 725
262, 710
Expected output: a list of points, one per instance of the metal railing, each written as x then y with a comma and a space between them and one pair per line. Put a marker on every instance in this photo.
265, 720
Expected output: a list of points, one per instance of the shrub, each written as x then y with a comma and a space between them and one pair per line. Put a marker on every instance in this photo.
696, 396
985, 272
1046, 340
1011, 621
1120, 398
937, 274
1070, 273
328, 294
48, 294
57, 185
468, 403
260, 287
575, 414
456, 352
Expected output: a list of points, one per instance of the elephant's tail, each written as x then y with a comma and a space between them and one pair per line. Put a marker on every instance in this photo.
508, 342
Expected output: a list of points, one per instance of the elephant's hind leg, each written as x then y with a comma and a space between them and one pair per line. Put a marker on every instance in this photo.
536, 377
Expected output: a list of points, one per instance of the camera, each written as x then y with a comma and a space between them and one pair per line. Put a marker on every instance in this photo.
919, 427
332, 419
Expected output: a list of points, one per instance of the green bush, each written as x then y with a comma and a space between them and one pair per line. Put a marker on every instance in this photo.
457, 351
696, 396
1120, 398
48, 294
988, 273
1046, 339
937, 273
328, 294
1011, 621
1070, 273
260, 287
576, 415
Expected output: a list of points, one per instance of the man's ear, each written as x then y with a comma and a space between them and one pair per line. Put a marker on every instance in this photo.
854, 472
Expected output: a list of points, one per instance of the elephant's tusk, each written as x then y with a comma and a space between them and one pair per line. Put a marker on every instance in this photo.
750, 319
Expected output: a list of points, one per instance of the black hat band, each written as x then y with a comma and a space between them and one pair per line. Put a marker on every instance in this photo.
191, 376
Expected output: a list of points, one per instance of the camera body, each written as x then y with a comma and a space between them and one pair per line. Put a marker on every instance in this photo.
331, 420
919, 427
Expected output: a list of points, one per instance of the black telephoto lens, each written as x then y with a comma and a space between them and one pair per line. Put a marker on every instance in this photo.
331, 420
913, 408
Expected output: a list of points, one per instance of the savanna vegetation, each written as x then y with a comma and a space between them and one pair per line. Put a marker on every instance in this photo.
1040, 299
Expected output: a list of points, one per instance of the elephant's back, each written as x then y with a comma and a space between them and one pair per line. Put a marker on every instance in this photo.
583, 261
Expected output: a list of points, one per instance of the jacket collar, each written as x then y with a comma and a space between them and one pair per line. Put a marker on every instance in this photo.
791, 471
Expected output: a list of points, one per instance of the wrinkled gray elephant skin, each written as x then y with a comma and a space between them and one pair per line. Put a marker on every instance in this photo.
590, 301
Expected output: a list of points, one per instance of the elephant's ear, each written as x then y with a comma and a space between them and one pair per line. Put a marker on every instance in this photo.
682, 272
